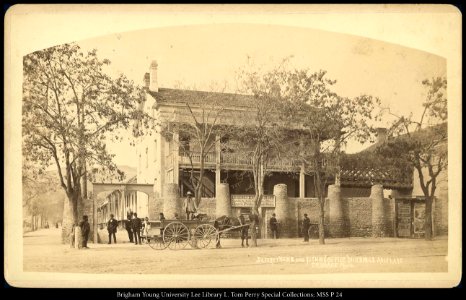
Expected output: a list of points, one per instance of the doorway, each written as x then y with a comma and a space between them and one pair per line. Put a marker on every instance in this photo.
410, 217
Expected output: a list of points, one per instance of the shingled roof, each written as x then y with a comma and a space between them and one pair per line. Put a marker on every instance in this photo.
168, 96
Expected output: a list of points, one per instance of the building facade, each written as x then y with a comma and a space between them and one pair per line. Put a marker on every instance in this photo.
365, 203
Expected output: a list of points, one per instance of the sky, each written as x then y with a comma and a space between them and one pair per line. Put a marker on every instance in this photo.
202, 54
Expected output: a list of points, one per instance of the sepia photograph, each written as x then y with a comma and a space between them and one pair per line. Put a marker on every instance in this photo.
296, 146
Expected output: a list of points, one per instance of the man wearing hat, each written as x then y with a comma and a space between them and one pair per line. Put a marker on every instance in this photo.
306, 225
189, 205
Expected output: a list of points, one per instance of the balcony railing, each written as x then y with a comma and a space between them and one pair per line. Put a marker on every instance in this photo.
235, 159
196, 157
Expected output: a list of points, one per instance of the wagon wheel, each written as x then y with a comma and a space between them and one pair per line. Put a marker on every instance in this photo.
156, 243
204, 234
176, 235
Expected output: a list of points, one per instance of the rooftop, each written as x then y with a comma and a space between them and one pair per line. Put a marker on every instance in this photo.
170, 96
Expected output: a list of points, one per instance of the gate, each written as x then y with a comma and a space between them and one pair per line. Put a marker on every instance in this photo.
410, 217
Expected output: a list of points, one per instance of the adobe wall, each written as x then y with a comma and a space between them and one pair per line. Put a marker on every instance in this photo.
356, 216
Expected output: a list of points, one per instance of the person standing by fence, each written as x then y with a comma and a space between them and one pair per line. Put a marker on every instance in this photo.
274, 226
306, 226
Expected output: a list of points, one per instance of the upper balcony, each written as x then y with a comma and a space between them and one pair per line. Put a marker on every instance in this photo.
234, 161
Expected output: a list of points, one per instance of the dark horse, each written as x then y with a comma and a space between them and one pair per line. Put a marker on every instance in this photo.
225, 223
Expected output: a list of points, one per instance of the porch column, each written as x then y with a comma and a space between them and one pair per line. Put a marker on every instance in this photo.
171, 203
302, 183
217, 165
283, 211
176, 158
223, 203
335, 211
378, 216
123, 204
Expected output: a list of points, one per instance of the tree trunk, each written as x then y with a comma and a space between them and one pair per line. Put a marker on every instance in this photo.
78, 239
321, 221
70, 217
428, 219
254, 225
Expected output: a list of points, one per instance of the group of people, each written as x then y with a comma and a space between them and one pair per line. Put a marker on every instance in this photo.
133, 226
305, 227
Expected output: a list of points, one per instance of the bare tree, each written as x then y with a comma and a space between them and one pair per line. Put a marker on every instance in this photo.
422, 143
328, 122
259, 134
200, 126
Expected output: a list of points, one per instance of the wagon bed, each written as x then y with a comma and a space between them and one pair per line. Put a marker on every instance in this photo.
177, 234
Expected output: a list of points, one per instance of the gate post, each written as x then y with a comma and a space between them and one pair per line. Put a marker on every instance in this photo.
378, 216
282, 210
223, 203
171, 202
336, 218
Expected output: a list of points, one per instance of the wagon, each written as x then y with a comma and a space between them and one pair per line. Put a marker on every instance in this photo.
177, 234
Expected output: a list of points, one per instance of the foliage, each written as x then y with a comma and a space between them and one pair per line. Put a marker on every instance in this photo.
259, 135
70, 107
422, 143
328, 122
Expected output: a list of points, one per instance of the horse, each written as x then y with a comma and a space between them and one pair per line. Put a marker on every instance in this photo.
225, 222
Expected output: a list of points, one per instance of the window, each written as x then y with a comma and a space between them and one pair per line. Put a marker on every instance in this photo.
155, 150
147, 157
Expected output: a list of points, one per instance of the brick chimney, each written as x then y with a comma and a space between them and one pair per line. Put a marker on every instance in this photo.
381, 135
153, 85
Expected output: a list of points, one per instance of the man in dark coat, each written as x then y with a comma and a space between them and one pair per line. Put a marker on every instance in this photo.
129, 229
112, 225
136, 226
306, 225
85, 229
274, 226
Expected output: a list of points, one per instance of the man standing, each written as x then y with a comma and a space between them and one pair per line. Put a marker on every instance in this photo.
136, 226
128, 227
112, 225
85, 229
274, 226
306, 225
189, 205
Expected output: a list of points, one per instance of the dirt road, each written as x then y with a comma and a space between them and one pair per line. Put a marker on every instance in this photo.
44, 253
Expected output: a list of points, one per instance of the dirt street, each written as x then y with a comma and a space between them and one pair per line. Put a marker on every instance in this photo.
44, 253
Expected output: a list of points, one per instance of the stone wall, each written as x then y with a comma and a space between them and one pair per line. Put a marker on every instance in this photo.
356, 219
208, 206
440, 214
359, 212
310, 206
